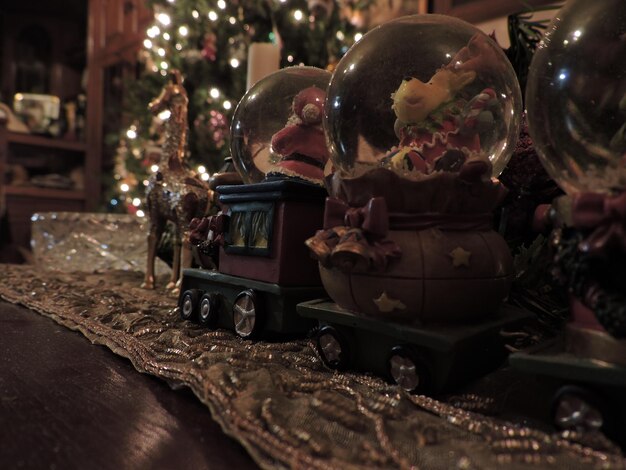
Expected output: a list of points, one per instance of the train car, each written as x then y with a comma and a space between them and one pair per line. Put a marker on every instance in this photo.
427, 359
588, 366
264, 267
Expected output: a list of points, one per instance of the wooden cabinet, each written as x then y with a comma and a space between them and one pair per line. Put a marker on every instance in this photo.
86, 46
43, 50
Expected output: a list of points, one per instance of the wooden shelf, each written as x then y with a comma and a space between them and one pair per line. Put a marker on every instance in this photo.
41, 141
48, 193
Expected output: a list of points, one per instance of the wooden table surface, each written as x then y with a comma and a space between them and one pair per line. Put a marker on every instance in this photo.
65, 403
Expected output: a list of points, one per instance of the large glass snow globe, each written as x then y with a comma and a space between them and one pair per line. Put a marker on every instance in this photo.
422, 95
576, 97
277, 127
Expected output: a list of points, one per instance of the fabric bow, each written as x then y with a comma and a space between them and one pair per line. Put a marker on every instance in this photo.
372, 218
605, 217
353, 239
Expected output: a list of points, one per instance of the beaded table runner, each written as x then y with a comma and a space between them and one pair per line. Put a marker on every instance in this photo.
278, 399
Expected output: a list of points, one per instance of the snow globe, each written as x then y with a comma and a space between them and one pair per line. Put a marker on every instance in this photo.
421, 116
277, 127
576, 101
278, 148
577, 118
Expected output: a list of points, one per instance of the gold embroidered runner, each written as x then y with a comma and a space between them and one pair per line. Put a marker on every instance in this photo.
277, 399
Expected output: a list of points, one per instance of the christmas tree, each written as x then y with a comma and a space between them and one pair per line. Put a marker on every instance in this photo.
208, 41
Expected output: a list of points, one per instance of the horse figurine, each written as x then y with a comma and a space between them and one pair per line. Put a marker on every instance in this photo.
173, 193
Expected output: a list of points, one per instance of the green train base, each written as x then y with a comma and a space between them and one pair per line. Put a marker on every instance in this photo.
591, 395
428, 359
250, 308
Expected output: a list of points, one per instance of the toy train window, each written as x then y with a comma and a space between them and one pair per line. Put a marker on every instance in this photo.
250, 229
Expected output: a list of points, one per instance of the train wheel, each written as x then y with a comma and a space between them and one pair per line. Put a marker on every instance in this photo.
246, 314
408, 370
332, 348
188, 304
577, 408
209, 310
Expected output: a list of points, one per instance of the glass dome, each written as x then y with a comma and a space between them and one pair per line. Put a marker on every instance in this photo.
422, 94
276, 129
576, 97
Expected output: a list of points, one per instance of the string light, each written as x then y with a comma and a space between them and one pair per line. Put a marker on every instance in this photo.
221, 4
164, 115
298, 15
164, 19
201, 169
136, 202
215, 93
232, 20
153, 31
234, 63
205, 177
166, 36
147, 43
131, 133
164, 65
140, 213
179, 46
212, 16
161, 52
227, 104
183, 31
154, 169
357, 37
195, 14
124, 187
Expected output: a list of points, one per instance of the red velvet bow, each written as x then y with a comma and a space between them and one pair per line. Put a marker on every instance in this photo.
605, 216
372, 218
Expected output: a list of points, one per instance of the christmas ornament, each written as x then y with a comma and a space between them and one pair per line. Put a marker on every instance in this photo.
276, 128
211, 130
209, 46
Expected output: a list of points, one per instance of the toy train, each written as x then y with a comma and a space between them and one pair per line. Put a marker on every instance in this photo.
268, 285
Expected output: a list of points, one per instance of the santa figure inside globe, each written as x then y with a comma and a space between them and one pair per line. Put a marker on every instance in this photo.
440, 122
300, 146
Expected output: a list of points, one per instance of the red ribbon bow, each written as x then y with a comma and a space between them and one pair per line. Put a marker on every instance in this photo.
605, 216
372, 218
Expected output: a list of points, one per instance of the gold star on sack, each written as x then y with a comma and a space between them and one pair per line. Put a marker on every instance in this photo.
386, 304
460, 257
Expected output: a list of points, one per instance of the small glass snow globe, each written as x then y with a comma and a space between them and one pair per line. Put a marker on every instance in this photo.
422, 95
576, 97
277, 127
